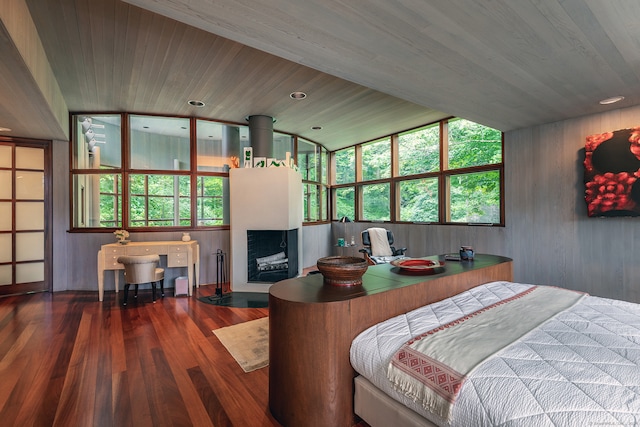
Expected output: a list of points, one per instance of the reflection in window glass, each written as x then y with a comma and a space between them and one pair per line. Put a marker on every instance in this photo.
307, 160
282, 144
96, 142
345, 166
376, 202
471, 144
419, 150
97, 200
475, 197
345, 202
376, 160
220, 146
419, 200
212, 203
159, 200
159, 143
311, 203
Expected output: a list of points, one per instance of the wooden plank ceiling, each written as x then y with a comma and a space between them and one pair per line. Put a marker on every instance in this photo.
369, 67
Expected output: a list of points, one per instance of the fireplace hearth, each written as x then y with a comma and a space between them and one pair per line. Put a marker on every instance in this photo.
272, 255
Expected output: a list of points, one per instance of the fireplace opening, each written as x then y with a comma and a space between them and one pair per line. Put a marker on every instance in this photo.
272, 255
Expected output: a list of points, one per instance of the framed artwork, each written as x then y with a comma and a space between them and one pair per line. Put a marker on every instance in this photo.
248, 157
611, 173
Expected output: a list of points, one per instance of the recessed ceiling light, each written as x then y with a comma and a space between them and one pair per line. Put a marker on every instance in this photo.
3, 129
611, 100
316, 127
195, 103
297, 95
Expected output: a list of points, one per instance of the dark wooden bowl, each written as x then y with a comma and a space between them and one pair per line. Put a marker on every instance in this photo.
342, 270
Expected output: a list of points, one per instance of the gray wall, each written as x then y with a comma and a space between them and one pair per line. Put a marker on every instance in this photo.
547, 232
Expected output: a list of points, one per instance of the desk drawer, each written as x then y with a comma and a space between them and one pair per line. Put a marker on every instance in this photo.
177, 259
147, 250
176, 249
111, 258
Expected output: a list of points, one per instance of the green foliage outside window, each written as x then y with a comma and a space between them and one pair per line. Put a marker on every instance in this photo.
210, 200
345, 166
152, 201
376, 160
471, 144
475, 197
345, 202
419, 200
419, 151
376, 202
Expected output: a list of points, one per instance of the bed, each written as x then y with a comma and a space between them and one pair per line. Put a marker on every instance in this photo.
576, 366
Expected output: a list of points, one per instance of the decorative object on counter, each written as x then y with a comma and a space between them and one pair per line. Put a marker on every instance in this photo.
122, 235
419, 265
341, 242
248, 157
342, 270
466, 253
259, 162
186, 237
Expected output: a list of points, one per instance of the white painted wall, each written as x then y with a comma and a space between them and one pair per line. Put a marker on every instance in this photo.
261, 199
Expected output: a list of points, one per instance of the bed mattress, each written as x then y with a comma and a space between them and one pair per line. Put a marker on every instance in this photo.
581, 367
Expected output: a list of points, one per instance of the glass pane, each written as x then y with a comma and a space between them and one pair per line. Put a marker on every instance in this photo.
345, 166
471, 144
419, 200
311, 203
345, 203
324, 165
6, 185
475, 197
97, 200
5, 216
220, 146
419, 150
324, 201
376, 160
29, 185
6, 249
376, 202
159, 143
5, 156
29, 158
29, 246
30, 216
159, 200
31, 272
307, 160
97, 141
282, 144
6, 277
212, 204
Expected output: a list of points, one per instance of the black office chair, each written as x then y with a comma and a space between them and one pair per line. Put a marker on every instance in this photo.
373, 255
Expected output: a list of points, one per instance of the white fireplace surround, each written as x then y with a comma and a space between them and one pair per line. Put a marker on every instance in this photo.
261, 199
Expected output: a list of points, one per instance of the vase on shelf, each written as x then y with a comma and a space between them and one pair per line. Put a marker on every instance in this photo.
186, 237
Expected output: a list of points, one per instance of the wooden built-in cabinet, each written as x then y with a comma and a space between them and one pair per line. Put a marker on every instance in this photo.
311, 326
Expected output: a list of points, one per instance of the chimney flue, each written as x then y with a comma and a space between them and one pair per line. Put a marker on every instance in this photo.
261, 135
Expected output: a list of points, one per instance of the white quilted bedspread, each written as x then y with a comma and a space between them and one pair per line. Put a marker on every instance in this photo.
580, 368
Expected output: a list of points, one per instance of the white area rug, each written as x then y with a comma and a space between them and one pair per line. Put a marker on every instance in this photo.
247, 342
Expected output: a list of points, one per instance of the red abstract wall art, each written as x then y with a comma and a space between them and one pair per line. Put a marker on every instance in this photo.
612, 172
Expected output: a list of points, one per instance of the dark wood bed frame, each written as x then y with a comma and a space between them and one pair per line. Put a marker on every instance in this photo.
311, 326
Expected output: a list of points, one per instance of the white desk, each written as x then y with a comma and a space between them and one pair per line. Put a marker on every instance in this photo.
179, 254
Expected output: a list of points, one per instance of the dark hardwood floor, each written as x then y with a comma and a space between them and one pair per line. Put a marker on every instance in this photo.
68, 360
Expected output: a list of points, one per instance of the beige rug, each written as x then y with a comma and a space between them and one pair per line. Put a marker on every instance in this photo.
247, 342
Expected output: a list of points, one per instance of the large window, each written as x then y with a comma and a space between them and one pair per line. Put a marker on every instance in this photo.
313, 165
449, 172
171, 172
